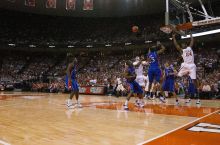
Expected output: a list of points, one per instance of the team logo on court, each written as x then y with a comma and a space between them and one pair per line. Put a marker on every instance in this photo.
205, 127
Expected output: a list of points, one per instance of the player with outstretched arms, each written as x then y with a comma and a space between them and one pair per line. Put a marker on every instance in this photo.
154, 71
188, 66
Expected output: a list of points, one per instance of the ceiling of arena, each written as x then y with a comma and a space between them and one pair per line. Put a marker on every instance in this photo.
102, 8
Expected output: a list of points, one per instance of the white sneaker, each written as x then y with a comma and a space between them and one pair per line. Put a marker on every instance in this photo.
141, 105
188, 101
198, 102
79, 105
152, 98
145, 96
69, 103
162, 99
126, 107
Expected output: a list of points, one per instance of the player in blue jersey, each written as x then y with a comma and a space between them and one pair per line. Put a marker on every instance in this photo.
134, 87
154, 72
71, 83
169, 81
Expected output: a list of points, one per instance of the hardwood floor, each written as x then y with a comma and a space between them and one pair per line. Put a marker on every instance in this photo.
43, 119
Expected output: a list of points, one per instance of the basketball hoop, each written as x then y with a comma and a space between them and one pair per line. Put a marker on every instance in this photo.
166, 29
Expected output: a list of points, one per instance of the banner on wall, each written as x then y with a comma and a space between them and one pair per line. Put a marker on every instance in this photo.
88, 5
70, 4
30, 3
92, 90
51, 3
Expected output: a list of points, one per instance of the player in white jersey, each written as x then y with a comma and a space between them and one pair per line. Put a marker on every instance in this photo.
188, 66
140, 78
119, 84
138, 64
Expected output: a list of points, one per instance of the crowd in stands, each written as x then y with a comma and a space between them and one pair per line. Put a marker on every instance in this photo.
47, 73
43, 72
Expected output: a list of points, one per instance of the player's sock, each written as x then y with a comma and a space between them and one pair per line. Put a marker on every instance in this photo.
158, 94
126, 103
166, 94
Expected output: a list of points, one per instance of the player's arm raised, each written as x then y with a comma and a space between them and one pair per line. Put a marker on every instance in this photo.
163, 48
192, 41
176, 44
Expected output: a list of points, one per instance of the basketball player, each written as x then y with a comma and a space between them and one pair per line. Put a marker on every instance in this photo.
169, 81
188, 66
135, 88
140, 78
154, 72
72, 84
119, 87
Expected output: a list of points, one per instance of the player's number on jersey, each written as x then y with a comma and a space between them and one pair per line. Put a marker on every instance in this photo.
205, 127
152, 59
188, 53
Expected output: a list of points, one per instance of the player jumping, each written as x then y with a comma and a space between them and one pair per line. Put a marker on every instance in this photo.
188, 66
154, 72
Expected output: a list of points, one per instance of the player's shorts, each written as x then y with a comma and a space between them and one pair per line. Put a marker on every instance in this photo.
191, 89
140, 81
134, 87
188, 69
168, 85
154, 74
74, 85
120, 87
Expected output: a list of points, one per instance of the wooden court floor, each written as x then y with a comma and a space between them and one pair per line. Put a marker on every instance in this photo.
43, 119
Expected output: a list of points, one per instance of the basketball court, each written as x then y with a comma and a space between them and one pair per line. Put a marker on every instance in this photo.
38, 118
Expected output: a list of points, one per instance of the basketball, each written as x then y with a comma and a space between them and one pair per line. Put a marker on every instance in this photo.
135, 29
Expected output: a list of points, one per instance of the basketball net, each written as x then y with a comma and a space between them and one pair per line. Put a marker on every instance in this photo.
172, 28
180, 26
